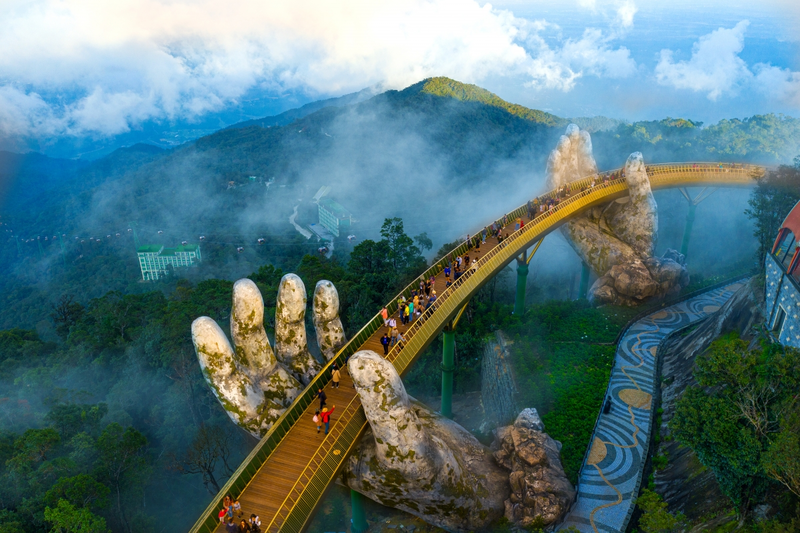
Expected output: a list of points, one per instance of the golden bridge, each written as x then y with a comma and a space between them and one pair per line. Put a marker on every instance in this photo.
286, 474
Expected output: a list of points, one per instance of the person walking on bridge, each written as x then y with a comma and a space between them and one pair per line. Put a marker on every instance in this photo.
322, 397
336, 376
385, 344
385, 315
326, 417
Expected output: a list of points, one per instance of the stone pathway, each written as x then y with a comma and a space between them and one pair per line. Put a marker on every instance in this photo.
610, 477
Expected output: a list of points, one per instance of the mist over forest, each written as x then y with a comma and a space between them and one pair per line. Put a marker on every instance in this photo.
82, 333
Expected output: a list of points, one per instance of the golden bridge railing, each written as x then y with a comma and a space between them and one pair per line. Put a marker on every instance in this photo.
330, 455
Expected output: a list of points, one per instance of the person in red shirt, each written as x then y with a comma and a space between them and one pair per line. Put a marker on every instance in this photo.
326, 417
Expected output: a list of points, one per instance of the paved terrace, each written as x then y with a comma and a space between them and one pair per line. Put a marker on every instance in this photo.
612, 471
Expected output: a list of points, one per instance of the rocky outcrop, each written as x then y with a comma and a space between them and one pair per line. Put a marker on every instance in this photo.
620, 235
685, 484
415, 460
498, 389
253, 385
632, 283
541, 494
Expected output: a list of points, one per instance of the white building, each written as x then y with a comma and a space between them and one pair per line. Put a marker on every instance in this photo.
157, 261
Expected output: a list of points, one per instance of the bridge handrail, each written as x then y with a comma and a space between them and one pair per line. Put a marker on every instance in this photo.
243, 475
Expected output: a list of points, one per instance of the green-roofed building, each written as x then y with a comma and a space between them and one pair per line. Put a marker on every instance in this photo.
333, 216
157, 261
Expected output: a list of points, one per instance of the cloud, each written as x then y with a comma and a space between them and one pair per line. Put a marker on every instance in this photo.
71, 67
625, 13
715, 66
777, 82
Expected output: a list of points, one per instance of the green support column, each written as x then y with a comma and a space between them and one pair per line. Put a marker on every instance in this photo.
687, 230
583, 290
448, 366
522, 281
358, 520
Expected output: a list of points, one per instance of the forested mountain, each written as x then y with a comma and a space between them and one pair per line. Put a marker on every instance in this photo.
430, 154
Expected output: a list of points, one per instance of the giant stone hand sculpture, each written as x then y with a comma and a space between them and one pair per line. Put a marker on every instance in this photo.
616, 240
254, 384
415, 460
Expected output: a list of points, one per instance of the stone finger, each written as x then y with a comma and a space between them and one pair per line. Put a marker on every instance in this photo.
253, 351
232, 387
635, 221
572, 158
291, 345
327, 324
400, 437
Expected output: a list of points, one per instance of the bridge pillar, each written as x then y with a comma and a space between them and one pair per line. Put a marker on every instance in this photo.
358, 520
687, 229
448, 366
522, 282
583, 290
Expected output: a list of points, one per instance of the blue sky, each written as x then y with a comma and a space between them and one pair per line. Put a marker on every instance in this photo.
76, 68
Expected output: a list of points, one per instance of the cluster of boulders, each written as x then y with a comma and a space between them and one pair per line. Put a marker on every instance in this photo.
616, 240
632, 283
540, 492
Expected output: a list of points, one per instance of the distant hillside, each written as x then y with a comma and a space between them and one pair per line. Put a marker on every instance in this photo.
31, 183
290, 116
25, 176
598, 123
448, 88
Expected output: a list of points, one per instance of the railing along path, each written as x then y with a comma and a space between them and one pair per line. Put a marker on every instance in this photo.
287, 474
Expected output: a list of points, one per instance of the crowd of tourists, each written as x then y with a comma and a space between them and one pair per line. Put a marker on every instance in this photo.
234, 518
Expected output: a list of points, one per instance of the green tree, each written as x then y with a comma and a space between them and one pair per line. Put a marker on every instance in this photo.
402, 252
33, 446
781, 461
67, 518
370, 258
774, 196
732, 417
66, 313
423, 241
81, 491
72, 418
655, 517
121, 453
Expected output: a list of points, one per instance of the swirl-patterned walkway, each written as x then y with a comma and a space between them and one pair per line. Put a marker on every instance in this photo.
612, 472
